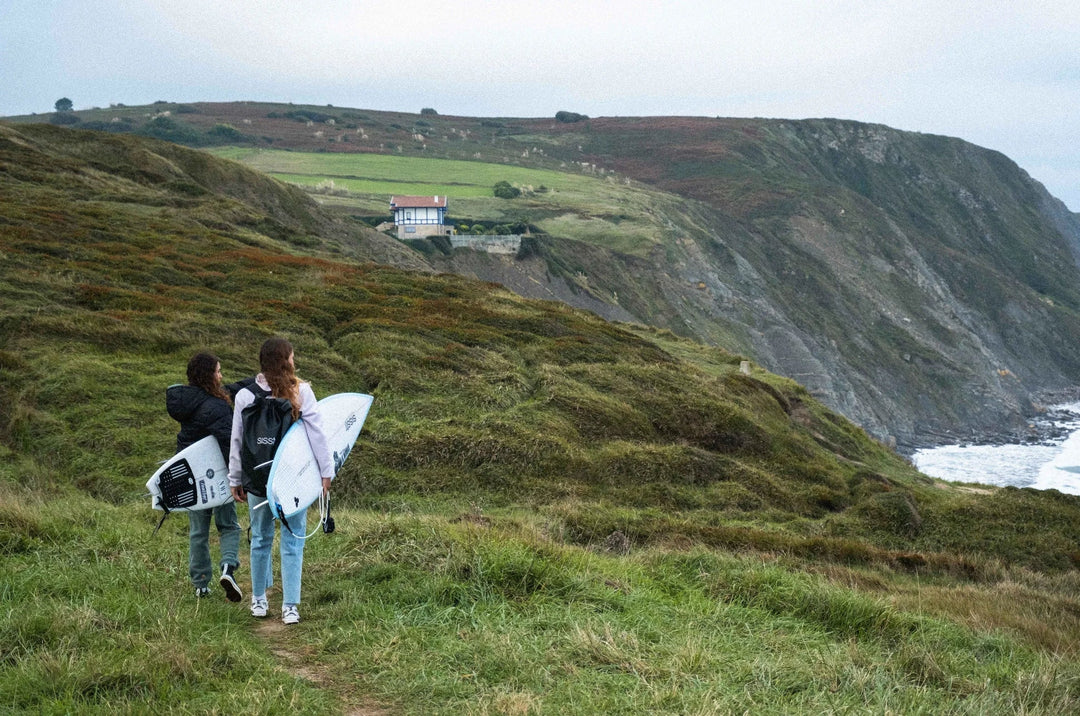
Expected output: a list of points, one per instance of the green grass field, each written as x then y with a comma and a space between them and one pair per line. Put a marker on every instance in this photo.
382, 174
600, 210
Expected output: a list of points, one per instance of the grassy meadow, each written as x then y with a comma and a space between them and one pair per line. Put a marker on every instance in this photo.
383, 173
604, 210
544, 514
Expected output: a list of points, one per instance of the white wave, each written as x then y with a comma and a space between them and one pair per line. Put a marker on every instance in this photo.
1053, 473
1038, 466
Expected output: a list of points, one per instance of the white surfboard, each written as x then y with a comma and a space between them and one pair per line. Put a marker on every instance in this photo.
196, 478
294, 481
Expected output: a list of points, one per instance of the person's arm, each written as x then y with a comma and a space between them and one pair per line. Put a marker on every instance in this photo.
236, 436
313, 425
235, 388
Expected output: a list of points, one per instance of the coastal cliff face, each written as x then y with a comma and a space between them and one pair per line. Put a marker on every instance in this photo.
925, 287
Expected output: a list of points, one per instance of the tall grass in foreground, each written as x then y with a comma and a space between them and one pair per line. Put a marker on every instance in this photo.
451, 610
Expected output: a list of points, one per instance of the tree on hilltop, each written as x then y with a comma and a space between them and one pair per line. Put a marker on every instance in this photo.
63, 105
570, 117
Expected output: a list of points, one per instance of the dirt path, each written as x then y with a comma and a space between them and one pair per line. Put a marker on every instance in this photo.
275, 634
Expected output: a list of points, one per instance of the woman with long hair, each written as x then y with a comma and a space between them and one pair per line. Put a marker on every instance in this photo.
277, 380
204, 407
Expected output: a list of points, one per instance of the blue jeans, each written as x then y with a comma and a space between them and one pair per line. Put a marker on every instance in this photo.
262, 547
200, 568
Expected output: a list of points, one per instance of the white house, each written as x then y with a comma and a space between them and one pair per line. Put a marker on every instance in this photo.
419, 216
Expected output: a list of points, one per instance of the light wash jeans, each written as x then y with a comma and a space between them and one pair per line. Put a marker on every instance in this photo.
200, 568
262, 548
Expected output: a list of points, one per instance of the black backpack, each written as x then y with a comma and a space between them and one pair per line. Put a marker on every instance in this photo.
266, 421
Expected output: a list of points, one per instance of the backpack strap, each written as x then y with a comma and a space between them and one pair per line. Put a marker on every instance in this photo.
257, 390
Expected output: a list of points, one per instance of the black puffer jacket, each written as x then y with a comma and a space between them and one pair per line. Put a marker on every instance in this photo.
199, 414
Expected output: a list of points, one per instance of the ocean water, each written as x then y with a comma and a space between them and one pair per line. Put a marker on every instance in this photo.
1037, 466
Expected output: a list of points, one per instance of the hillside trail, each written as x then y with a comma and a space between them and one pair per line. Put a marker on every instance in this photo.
295, 662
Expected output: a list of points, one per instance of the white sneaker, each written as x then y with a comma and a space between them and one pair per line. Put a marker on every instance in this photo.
290, 614
259, 605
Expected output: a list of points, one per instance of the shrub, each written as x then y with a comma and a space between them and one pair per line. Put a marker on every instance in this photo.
171, 131
64, 118
106, 126
428, 110
225, 132
528, 247
504, 190
300, 115
442, 243
569, 117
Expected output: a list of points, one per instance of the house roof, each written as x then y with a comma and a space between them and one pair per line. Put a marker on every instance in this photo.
417, 202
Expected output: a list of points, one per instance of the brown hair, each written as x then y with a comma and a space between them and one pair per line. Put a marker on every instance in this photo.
274, 362
202, 373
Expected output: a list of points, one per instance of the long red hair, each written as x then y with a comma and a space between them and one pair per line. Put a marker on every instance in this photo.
279, 373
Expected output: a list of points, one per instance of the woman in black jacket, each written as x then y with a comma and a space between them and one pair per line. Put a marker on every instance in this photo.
204, 407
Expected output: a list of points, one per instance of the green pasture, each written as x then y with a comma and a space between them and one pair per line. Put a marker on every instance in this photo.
604, 211
389, 174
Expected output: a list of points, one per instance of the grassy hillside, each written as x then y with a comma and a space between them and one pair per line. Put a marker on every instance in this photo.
920, 285
545, 513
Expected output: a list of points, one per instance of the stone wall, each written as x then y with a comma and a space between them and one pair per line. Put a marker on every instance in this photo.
505, 244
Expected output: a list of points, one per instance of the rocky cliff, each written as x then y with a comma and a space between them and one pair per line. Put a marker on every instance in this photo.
925, 287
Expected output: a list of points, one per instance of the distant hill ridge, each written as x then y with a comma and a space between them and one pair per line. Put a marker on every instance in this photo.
923, 286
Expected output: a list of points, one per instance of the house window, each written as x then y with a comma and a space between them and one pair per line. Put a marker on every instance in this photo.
410, 229
408, 215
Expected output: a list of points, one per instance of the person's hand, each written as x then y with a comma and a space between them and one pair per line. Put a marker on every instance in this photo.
238, 493
326, 486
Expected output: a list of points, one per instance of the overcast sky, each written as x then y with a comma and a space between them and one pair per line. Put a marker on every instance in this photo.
1004, 75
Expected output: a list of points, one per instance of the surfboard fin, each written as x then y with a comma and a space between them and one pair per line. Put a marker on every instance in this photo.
281, 516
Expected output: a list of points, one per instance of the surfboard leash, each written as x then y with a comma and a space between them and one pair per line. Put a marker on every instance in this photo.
324, 516
326, 522
166, 511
